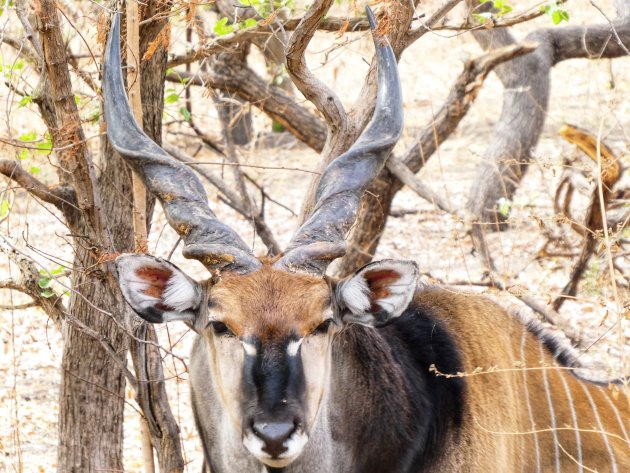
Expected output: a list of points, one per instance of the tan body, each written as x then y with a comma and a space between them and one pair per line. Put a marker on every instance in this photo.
509, 426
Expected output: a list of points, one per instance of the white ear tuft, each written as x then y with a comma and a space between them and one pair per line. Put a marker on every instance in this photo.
378, 292
179, 293
356, 295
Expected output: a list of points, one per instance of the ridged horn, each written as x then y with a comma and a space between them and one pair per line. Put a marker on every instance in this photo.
321, 239
179, 190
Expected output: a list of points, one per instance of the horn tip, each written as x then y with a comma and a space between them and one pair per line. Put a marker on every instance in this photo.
371, 17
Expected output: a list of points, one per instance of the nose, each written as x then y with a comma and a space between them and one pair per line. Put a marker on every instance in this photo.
274, 434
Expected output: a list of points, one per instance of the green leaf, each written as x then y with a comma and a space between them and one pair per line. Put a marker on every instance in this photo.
24, 101
185, 113
249, 23
58, 270
45, 147
171, 98
505, 206
23, 154
221, 28
30, 136
277, 127
47, 293
556, 12
5, 208
45, 282
34, 170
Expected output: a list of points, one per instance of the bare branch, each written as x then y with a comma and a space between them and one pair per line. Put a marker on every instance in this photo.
402, 172
246, 209
238, 38
20, 8
318, 93
217, 182
27, 305
460, 98
29, 282
428, 25
19, 45
76, 162
62, 197
239, 79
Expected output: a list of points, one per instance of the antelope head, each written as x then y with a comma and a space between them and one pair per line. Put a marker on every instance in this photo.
266, 325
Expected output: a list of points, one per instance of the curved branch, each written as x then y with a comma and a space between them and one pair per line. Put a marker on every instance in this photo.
318, 93
239, 79
236, 39
29, 282
62, 197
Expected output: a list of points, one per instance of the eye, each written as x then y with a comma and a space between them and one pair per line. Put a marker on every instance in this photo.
323, 327
220, 328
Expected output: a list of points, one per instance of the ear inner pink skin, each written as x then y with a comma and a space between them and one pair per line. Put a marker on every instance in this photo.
157, 278
378, 282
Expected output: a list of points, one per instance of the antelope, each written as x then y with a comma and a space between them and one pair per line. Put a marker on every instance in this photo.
293, 371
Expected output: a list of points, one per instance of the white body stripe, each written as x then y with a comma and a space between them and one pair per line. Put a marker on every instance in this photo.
578, 440
616, 411
552, 413
529, 404
600, 427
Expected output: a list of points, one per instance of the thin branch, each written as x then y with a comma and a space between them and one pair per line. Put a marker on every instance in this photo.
428, 25
238, 38
29, 282
402, 172
462, 95
233, 199
24, 306
211, 178
318, 93
62, 197
237, 78
493, 23
29, 54
20, 8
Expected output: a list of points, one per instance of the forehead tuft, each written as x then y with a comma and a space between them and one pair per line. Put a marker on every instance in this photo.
271, 303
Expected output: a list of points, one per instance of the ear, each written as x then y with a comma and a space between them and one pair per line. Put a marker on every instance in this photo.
158, 290
377, 293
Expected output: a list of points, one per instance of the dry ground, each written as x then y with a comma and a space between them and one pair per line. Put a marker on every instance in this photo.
31, 347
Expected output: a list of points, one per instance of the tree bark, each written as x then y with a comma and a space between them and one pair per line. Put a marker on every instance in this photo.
92, 389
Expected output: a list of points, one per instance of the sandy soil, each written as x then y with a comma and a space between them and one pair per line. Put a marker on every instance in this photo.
31, 346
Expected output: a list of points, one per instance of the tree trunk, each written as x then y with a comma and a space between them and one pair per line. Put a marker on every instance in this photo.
526, 83
93, 387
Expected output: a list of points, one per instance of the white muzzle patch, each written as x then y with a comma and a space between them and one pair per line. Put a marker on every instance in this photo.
294, 446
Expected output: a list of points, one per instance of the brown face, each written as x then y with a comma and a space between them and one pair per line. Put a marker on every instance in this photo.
269, 336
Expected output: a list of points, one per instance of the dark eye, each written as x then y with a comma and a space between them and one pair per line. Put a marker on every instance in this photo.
324, 326
220, 328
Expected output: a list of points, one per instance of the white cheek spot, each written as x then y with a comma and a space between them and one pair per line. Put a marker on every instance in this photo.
293, 347
179, 293
249, 349
356, 295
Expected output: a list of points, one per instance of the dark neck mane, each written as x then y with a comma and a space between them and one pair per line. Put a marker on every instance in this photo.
399, 415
